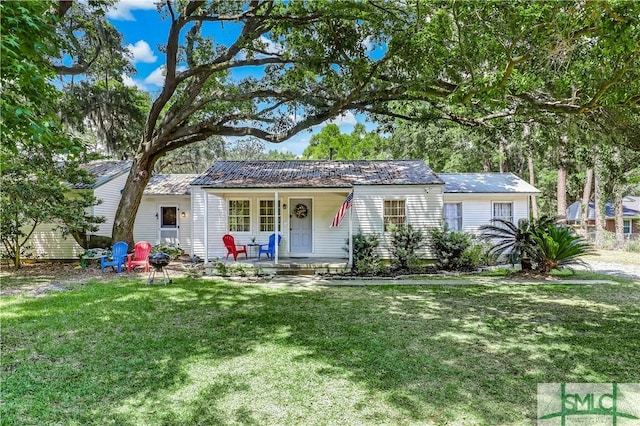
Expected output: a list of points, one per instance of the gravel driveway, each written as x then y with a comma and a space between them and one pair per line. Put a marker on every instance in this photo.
615, 269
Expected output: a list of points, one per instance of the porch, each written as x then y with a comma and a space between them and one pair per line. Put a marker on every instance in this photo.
286, 266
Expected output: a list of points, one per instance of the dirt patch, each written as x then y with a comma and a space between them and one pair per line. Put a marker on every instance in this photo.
42, 277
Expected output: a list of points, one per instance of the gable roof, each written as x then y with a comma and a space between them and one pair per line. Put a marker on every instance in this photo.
316, 174
485, 183
103, 171
630, 208
172, 184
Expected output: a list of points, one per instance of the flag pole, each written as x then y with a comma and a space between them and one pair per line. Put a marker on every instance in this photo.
351, 236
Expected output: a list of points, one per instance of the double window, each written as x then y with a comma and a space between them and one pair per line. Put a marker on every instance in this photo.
239, 216
453, 216
394, 213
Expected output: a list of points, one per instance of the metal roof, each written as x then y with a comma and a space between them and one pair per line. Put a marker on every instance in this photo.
316, 174
485, 183
103, 171
172, 184
630, 208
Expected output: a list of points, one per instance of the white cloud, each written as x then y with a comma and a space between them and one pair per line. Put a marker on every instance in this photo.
271, 46
122, 10
141, 52
156, 78
130, 82
346, 118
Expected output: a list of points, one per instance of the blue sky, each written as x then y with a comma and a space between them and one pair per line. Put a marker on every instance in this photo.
145, 31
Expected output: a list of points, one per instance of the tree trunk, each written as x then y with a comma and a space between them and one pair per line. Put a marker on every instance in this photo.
501, 143
526, 133
586, 197
617, 205
532, 182
562, 195
138, 179
599, 199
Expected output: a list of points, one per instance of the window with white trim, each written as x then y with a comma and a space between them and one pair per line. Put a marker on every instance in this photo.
267, 216
503, 211
626, 227
394, 213
239, 216
453, 216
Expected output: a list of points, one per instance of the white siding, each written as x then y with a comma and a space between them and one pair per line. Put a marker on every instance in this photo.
197, 220
423, 209
47, 243
477, 208
147, 223
216, 226
110, 194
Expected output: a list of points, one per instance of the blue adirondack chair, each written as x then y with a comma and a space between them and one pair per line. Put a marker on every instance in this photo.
270, 248
118, 257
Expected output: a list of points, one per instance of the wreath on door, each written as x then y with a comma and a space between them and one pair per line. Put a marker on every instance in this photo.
300, 211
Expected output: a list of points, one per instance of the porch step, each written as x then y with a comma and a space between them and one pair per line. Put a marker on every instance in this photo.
294, 271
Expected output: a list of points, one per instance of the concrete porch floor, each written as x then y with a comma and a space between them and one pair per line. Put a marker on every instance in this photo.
292, 265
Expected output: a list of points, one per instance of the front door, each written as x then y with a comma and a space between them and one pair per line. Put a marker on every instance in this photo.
169, 225
300, 226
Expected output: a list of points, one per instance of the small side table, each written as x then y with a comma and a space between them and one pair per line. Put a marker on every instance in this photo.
253, 247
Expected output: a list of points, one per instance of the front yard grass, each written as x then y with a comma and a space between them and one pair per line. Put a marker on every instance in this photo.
215, 352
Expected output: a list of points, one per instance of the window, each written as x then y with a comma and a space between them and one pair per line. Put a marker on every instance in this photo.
239, 216
626, 227
267, 216
503, 211
169, 225
453, 216
394, 213
169, 217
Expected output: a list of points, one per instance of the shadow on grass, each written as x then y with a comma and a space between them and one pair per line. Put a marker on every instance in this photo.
205, 352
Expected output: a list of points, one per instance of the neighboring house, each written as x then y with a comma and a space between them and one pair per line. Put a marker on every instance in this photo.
474, 199
193, 212
630, 215
239, 197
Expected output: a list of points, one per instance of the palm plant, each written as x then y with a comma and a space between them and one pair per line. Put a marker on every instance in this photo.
518, 240
559, 247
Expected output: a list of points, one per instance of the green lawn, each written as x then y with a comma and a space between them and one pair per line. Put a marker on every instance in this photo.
213, 352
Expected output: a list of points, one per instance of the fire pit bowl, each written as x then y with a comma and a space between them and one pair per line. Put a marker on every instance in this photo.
159, 260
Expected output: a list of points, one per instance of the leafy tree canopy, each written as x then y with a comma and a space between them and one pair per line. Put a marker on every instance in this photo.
360, 144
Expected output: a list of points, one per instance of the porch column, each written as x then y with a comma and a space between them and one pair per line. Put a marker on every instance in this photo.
351, 236
275, 226
206, 228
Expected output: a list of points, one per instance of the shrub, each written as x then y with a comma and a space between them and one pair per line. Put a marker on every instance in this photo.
478, 254
449, 248
633, 246
516, 240
558, 247
405, 242
92, 254
366, 259
170, 249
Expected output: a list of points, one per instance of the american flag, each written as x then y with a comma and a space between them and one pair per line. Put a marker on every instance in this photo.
341, 211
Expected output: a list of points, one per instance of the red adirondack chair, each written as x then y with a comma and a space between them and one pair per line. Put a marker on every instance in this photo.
140, 256
233, 248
